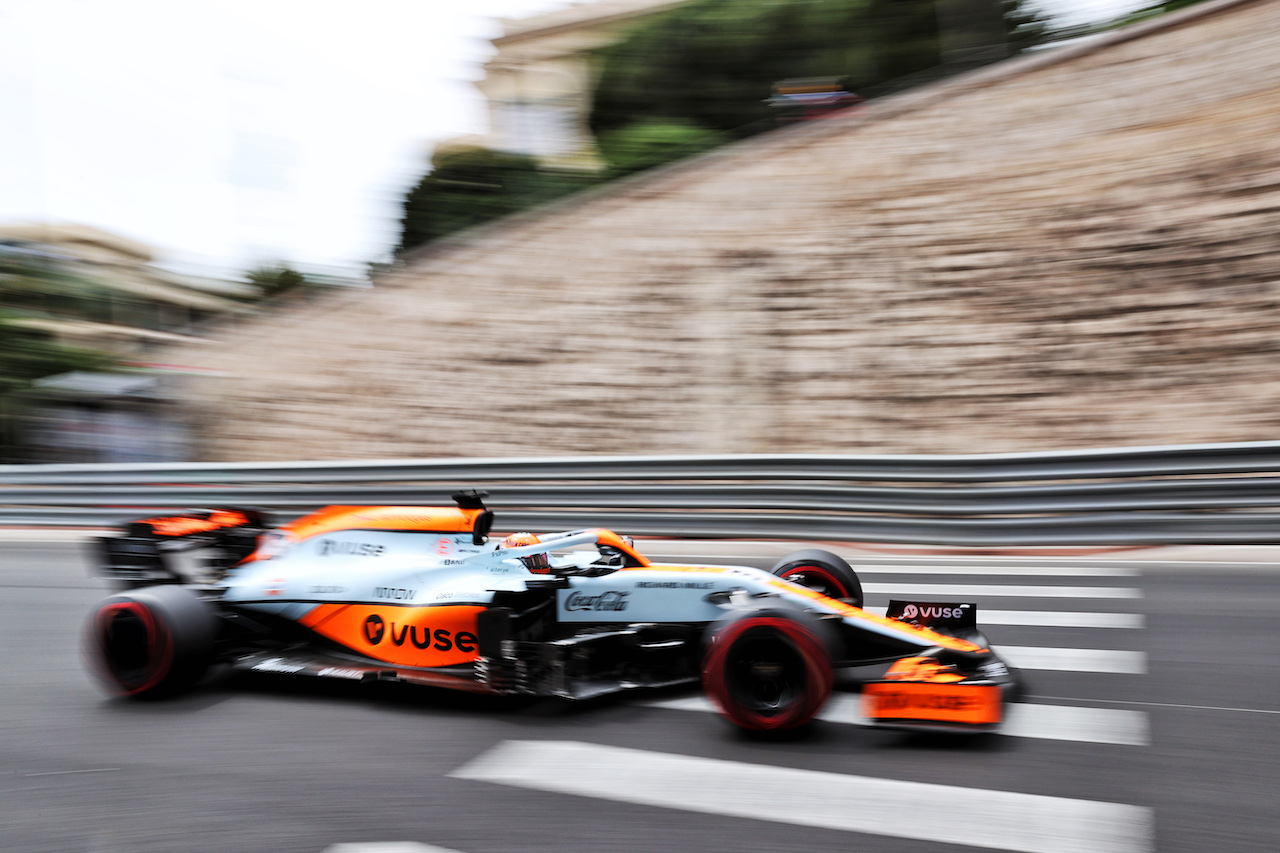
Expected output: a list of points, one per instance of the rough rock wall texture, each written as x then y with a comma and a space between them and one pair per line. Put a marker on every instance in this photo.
1083, 254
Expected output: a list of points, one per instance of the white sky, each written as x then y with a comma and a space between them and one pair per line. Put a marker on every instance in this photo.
227, 133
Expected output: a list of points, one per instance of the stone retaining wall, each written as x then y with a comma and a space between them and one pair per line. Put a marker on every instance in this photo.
1082, 254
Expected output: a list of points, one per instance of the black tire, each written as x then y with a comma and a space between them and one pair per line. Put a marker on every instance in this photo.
768, 670
823, 572
154, 641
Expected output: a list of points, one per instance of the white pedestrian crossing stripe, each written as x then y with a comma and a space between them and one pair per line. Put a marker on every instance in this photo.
1044, 722
1074, 660
1050, 618
1082, 570
1069, 722
1001, 820
978, 591
385, 847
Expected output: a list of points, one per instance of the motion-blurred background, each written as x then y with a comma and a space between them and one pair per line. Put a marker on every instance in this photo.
245, 231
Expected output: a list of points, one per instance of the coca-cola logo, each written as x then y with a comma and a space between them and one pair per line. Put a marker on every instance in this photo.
611, 600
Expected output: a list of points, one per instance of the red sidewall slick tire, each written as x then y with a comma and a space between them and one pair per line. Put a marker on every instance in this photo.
807, 575
821, 571
768, 672
150, 642
131, 649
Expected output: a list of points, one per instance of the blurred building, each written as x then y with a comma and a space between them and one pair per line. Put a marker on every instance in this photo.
103, 417
126, 303
539, 84
95, 290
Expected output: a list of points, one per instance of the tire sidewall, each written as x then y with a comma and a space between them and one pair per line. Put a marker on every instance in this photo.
179, 628
793, 629
830, 566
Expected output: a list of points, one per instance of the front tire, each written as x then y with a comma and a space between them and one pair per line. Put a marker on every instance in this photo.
822, 572
768, 670
150, 642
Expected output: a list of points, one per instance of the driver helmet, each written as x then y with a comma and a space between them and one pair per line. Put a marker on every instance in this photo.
539, 563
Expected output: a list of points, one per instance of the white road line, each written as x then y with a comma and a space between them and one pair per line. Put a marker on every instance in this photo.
1050, 618
69, 772
1043, 722
1082, 571
385, 847
1176, 705
1003, 820
1068, 722
1074, 660
965, 590
1060, 619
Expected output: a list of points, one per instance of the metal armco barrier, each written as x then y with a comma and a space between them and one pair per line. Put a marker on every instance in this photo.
1195, 494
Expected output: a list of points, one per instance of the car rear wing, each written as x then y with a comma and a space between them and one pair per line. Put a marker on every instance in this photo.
148, 550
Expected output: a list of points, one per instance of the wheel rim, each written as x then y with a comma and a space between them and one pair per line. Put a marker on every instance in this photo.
765, 674
133, 652
820, 580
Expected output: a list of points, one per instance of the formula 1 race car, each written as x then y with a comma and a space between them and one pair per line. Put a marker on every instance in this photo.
422, 595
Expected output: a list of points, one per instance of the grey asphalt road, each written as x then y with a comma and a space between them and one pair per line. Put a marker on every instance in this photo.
269, 763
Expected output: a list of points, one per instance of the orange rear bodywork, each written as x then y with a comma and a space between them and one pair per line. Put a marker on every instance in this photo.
185, 525
434, 519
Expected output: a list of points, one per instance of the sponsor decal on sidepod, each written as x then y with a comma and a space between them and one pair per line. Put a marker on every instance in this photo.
394, 592
375, 629
613, 599
329, 548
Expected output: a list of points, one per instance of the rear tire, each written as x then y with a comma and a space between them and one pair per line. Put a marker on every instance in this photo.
822, 572
768, 670
154, 641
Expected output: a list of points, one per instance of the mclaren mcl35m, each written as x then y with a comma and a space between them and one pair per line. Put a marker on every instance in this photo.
423, 595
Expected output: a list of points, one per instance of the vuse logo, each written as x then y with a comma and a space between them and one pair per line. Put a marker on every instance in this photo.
374, 628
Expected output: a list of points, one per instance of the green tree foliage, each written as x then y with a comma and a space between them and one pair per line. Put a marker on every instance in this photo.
29, 354
275, 280
711, 62
695, 76
1026, 25
645, 144
469, 186
33, 289
35, 285
1155, 10
25, 356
